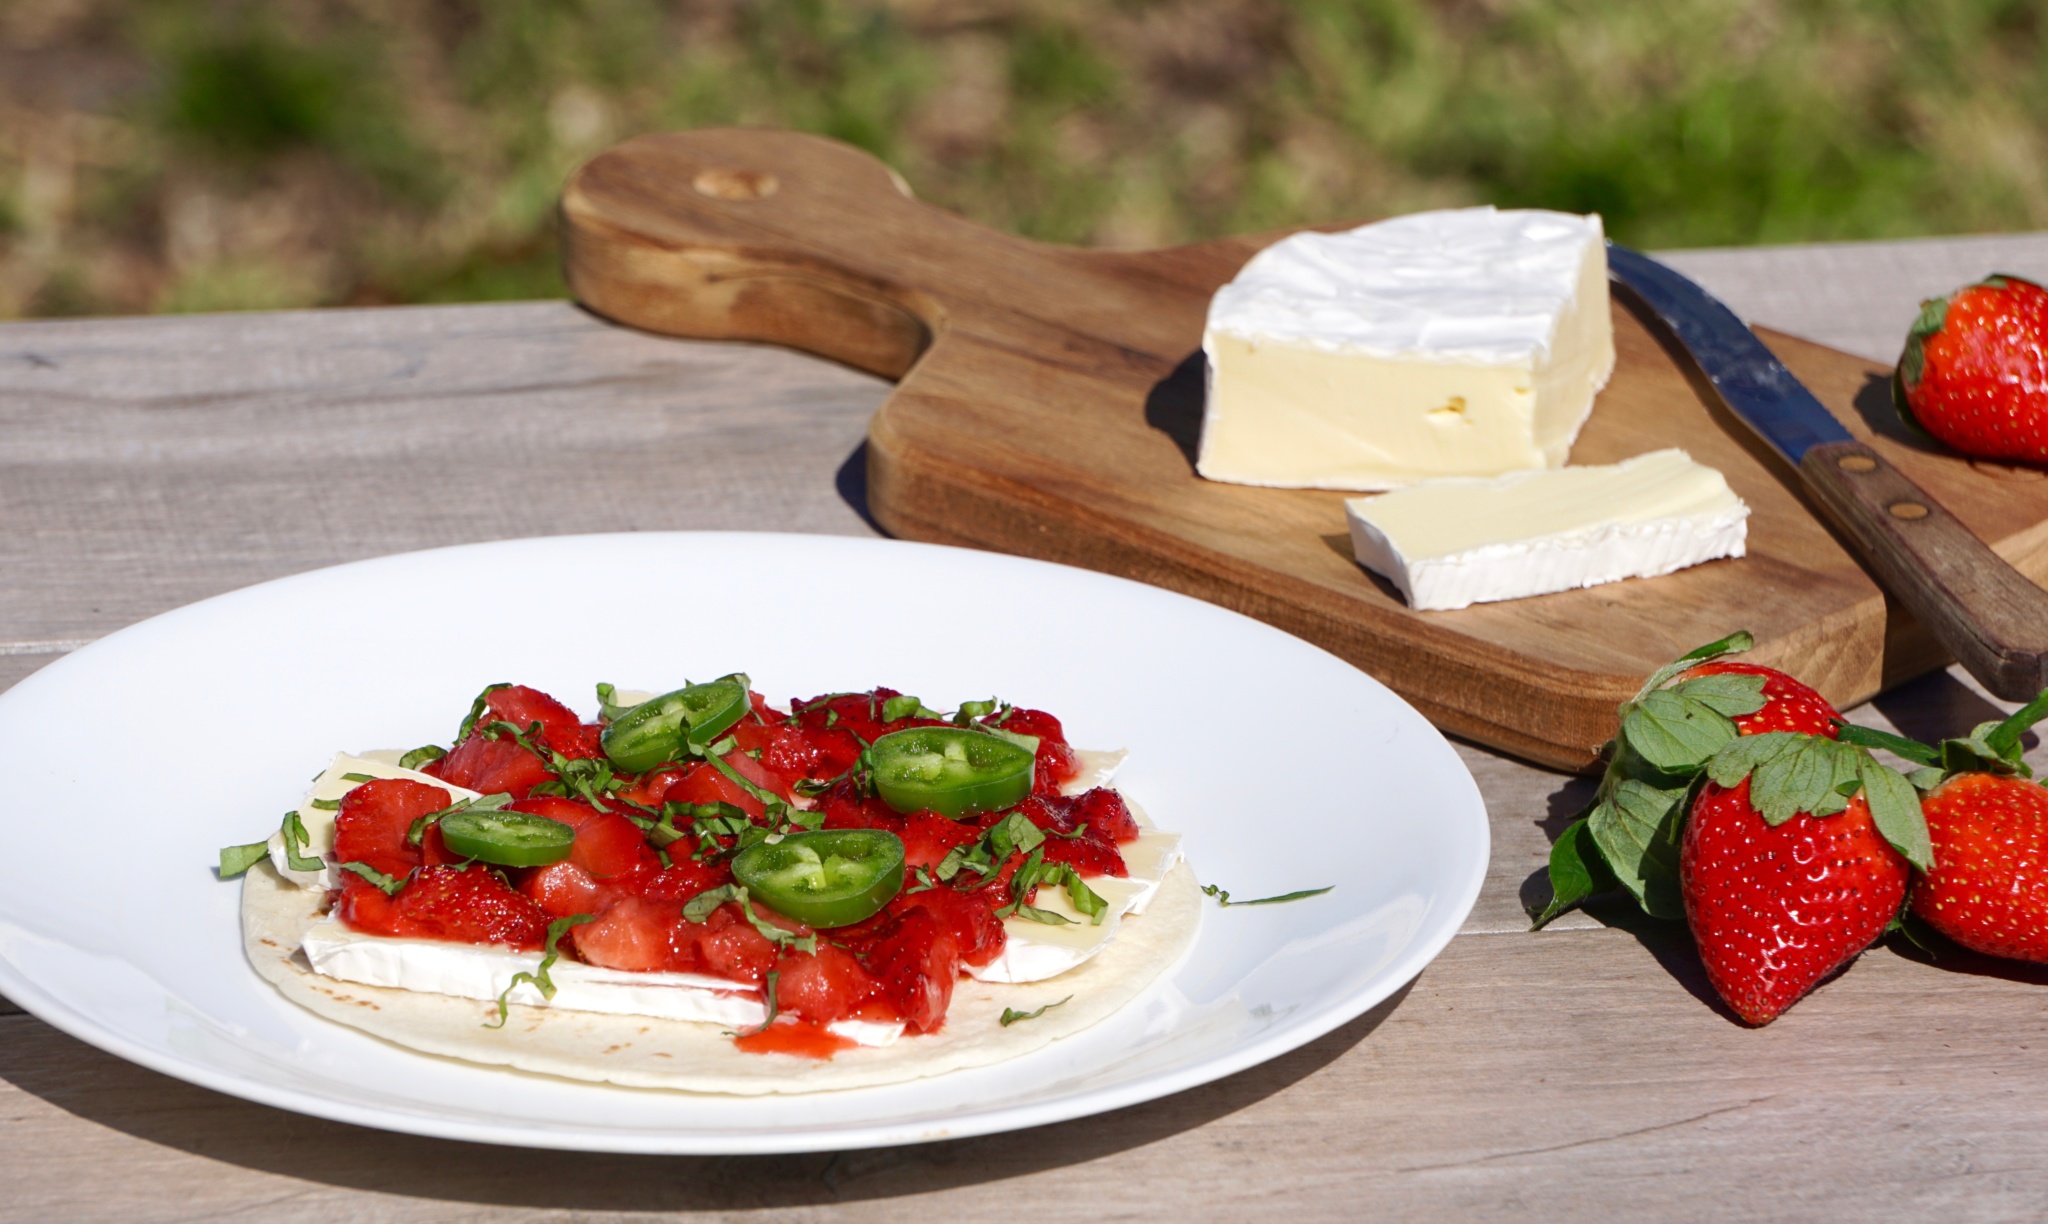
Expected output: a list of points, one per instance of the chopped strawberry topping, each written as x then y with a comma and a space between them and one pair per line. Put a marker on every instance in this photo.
845, 808
491, 767
1106, 810
560, 729
563, 889
630, 934
684, 880
916, 965
1057, 765
704, 783
607, 844
462, 905
374, 820
973, 926
1091, 851
824, 986
928, 837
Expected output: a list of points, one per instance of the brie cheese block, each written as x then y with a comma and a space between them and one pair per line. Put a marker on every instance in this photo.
1468, 342
1454, 542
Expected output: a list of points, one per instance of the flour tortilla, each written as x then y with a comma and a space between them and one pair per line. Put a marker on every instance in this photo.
644, 1052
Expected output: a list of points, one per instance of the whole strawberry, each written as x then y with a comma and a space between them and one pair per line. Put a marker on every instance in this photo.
1776, 909
1974, 372
1684, 714
1988, 888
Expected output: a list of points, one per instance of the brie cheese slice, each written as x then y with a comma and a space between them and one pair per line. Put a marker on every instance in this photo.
478, 971
329, 787
1468, 342
1034, 951
1450, 543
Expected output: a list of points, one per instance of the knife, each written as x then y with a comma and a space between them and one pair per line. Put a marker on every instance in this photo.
1989, 615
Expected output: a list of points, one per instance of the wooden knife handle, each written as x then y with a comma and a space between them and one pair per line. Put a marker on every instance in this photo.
1984, 611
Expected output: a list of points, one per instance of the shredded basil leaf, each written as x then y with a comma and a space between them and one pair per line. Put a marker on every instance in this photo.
699, 907
1223, 898
295, 839
358, 778
540, 979
389, 886
767, 997
326, 805
421, 756
234, 860
1011, 1015
476, 710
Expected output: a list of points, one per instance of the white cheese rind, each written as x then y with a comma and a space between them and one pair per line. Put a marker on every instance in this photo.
474, 971
1464, 342
329, 787
1451, 543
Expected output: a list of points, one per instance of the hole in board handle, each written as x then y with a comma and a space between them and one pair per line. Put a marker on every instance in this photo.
733, 183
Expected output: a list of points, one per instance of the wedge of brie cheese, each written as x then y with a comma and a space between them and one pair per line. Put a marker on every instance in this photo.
1454, 542
1468, 342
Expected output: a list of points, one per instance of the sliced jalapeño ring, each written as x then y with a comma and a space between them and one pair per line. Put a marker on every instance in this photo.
509, 839
827, 878
950, 770
665, 728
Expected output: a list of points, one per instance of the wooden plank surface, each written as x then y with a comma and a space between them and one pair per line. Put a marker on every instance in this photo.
1573, 1073
1056, 396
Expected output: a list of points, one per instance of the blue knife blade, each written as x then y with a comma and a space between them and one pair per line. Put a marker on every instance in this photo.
1755, 385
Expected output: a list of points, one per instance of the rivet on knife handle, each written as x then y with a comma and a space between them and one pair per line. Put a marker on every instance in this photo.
1985, 612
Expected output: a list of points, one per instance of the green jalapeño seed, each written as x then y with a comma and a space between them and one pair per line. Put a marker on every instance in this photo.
829, 878
950, 770
666, 727
509, 839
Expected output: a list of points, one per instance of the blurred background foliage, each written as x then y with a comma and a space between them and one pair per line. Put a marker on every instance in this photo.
166, 155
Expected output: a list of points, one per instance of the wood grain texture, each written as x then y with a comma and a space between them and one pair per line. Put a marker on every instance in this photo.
1056, 407
150, 463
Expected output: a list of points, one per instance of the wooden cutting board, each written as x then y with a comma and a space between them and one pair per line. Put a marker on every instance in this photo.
1050, 398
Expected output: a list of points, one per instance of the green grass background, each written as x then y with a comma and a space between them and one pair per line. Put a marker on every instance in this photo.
197, 154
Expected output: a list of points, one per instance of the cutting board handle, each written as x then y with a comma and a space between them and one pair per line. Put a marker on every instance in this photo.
739, 234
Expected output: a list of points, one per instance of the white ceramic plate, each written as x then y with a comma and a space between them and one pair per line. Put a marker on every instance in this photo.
130, 763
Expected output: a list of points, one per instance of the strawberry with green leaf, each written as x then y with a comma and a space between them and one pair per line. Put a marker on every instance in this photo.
1681, 717
1974, 372
1988, 820
1736, 798
1794, 858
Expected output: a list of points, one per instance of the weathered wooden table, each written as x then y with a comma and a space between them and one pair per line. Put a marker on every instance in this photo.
1580, 1072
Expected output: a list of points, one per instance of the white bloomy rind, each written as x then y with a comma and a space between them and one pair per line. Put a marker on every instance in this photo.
1464, 342
1455, 542
479, 971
